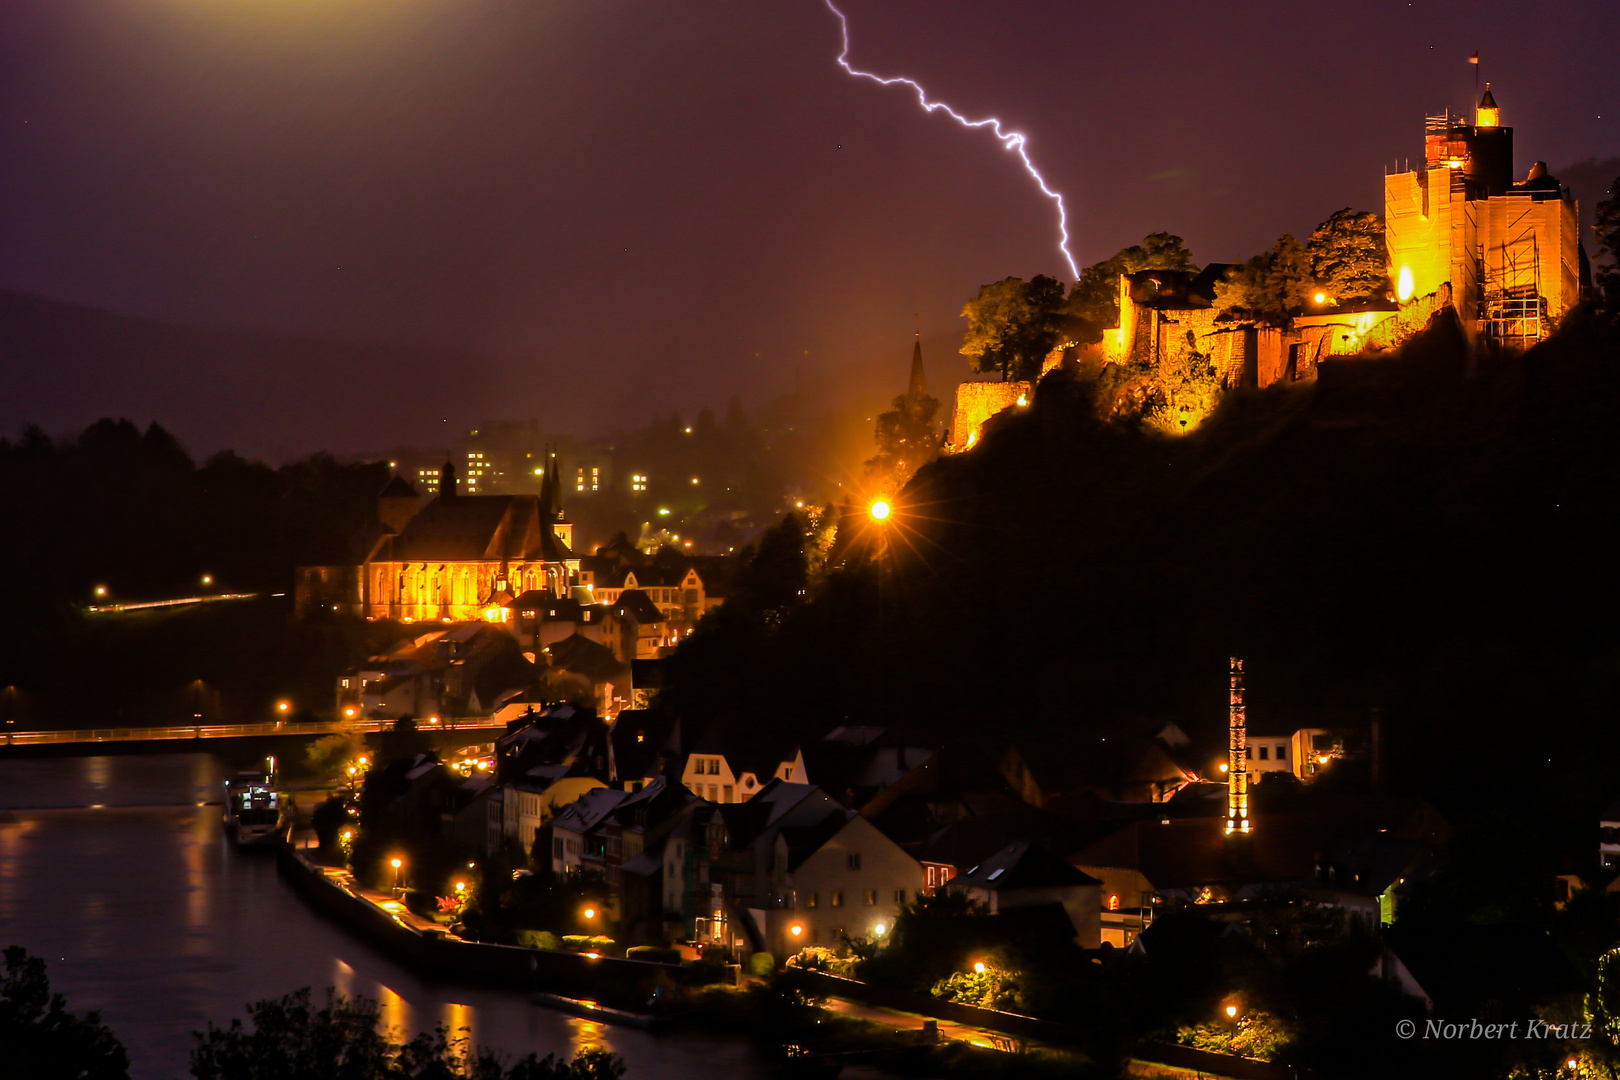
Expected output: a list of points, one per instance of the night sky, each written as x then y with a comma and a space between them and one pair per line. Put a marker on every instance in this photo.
615, 207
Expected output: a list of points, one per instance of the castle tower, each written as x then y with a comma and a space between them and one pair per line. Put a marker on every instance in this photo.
1237, 762
1487, 115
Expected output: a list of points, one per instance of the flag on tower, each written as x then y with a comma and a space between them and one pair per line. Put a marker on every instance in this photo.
1474, 59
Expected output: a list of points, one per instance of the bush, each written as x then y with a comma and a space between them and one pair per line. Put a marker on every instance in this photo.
815, 958
538, 939
587, 943
41, 1038
328, 820
655, 953
988, 989
762, 964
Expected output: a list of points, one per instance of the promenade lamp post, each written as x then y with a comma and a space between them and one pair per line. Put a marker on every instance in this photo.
396, 864
207, 580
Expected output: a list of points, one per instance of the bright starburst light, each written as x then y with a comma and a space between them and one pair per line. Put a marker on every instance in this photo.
1010, 140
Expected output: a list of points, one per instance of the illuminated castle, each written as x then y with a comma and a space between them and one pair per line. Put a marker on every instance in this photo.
1508, 250
1460, 232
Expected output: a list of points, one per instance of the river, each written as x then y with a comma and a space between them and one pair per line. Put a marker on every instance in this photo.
116, 871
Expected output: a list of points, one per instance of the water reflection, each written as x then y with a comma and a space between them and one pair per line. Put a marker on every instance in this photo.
144, 911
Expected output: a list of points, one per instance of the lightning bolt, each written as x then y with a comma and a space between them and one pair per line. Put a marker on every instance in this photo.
1010, 140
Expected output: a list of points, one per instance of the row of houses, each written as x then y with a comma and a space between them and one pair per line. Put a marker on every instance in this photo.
727, 839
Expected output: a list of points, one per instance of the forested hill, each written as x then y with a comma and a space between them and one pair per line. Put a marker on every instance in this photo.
1432, 532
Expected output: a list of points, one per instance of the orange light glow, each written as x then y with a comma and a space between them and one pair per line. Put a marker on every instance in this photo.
881, 510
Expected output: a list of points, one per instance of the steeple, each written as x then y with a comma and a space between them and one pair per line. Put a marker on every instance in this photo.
548, 490
447, 480
1487, 115
918, 388
556, 490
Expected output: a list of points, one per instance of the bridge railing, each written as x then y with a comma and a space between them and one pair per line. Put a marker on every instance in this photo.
223, 731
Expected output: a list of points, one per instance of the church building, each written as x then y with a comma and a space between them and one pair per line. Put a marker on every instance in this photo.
457, 559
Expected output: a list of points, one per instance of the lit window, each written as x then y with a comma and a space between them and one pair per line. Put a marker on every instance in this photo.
838, 898
854, 860
871, 898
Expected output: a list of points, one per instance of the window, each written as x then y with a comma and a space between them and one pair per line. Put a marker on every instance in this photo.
1265, 752
787, 772
714, 766
1282, 752
854, 860
838, 898
900, 896
871, 898
812, 900
557, 848
725, 793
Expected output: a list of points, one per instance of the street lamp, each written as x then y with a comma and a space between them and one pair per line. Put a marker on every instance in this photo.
396, 864
208, 579
283, 706
881, 510
590, 913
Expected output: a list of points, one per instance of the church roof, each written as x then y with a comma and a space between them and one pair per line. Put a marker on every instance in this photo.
398, 488
472, 527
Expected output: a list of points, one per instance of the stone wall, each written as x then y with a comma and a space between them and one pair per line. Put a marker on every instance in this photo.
977, 402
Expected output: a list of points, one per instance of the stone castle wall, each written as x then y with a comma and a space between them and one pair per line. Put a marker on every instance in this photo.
977, 402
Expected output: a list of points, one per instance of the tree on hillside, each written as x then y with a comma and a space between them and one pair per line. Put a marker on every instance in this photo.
906, 440
1094, 301
1013, 324
1348, 259
40, 1039
1606, 230
1274, 286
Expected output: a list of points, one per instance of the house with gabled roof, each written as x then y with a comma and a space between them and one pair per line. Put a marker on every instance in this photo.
726, 767
1026, 875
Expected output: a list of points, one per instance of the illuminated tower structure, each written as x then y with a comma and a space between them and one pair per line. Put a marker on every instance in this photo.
1237, 765
1506, 251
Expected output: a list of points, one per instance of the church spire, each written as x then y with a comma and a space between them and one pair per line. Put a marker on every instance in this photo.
919, 384
548, 490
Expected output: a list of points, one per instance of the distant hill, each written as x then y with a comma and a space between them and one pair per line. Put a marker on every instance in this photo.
1590, 181
63, 366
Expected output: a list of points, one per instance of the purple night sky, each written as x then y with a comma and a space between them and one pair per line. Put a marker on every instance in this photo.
620, 207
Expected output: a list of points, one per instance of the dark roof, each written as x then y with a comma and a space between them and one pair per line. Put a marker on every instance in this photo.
1465, 966
638, 606
1023, 865
582, 656
471, 527
1489, 100
398, 488
804, 841
1177, 289
642, 740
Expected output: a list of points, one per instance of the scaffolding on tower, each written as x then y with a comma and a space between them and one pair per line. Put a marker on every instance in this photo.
1237, 765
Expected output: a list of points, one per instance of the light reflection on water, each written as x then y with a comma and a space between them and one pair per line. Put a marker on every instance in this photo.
144, 911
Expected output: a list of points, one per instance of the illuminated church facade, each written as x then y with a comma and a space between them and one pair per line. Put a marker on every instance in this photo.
457, 559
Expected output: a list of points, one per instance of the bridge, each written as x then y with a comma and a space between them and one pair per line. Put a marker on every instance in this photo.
470, 724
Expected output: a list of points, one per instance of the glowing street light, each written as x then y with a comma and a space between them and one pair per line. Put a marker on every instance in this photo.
590, 913
877, 931
881, 510
396, 863
101, 590
978, 969
796, 930
283, 705
1321, 298
208, 579
1231, 1011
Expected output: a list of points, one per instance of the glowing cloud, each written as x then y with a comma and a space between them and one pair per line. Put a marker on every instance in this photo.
1010, 140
